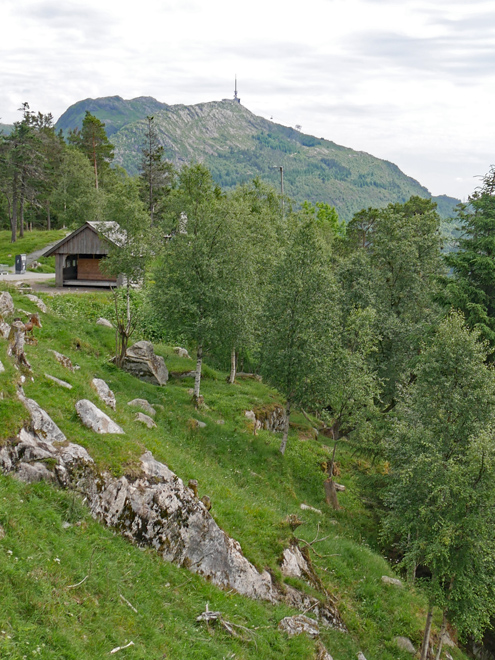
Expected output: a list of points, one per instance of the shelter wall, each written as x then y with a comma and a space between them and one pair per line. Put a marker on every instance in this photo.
85, 242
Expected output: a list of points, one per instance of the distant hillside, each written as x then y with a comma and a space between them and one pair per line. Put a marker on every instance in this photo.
5, 128
238, 146
113, 110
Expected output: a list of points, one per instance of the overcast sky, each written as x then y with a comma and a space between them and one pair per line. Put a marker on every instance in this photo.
411, 81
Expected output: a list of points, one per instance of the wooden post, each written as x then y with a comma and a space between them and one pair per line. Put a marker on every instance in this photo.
59, 269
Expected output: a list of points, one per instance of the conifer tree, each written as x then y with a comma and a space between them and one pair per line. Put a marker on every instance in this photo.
92, 140
472, 288
156, 173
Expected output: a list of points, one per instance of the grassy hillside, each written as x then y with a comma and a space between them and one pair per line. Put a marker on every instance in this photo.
48, 543
238, 146
31, 242
114, 111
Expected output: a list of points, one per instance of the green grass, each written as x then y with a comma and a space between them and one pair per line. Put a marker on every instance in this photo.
252, 487
32, 241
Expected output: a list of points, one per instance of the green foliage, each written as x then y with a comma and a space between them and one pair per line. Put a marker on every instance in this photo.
472, 289
393, 264
442, 493
157, 175
93, 142
75, 199
208, 284
299, 320
327, 220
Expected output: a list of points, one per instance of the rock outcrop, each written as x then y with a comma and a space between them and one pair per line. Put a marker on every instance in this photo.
182, 352
62, 383
42, 424
298, 625
271, 418
395, 582
4, 329
64, 361
405, 644
140, 361
17, 339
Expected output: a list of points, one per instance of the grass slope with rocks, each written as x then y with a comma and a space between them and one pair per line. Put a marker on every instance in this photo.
74, 589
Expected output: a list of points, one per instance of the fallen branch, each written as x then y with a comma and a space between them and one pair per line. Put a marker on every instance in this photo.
317, 431
128, 603
316, 539
208, 616
73, 586
121, 648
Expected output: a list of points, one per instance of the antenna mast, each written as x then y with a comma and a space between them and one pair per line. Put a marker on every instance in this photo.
236, 98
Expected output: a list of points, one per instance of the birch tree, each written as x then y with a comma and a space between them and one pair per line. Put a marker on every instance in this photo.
298, 324
442, 495
193, 278
132, 246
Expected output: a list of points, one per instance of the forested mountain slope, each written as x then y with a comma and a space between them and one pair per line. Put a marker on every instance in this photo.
237, 146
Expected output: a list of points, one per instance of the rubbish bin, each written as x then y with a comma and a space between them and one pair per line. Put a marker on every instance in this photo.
20, 264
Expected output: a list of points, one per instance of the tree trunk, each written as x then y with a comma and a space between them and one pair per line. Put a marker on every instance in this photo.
95, 164
233, 360
14, 211
21, 214
16, 344
426, 635
283, 444
330, 490
411, 570
48, 218
197, 377
442, 633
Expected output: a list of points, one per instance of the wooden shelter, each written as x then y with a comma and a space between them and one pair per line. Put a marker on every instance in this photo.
78, 256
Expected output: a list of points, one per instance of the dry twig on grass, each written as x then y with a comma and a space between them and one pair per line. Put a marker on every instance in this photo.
228, 626
121, 648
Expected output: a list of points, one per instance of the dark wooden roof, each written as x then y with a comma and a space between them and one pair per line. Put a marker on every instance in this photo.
90, 238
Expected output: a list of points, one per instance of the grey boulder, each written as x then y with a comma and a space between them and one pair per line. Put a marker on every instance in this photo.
104, 392
6, 304
95, 419
140, 361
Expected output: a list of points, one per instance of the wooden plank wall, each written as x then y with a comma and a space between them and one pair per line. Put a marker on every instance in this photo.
86, 242
89, 269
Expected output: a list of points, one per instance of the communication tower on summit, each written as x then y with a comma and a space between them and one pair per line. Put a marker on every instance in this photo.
236, 98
